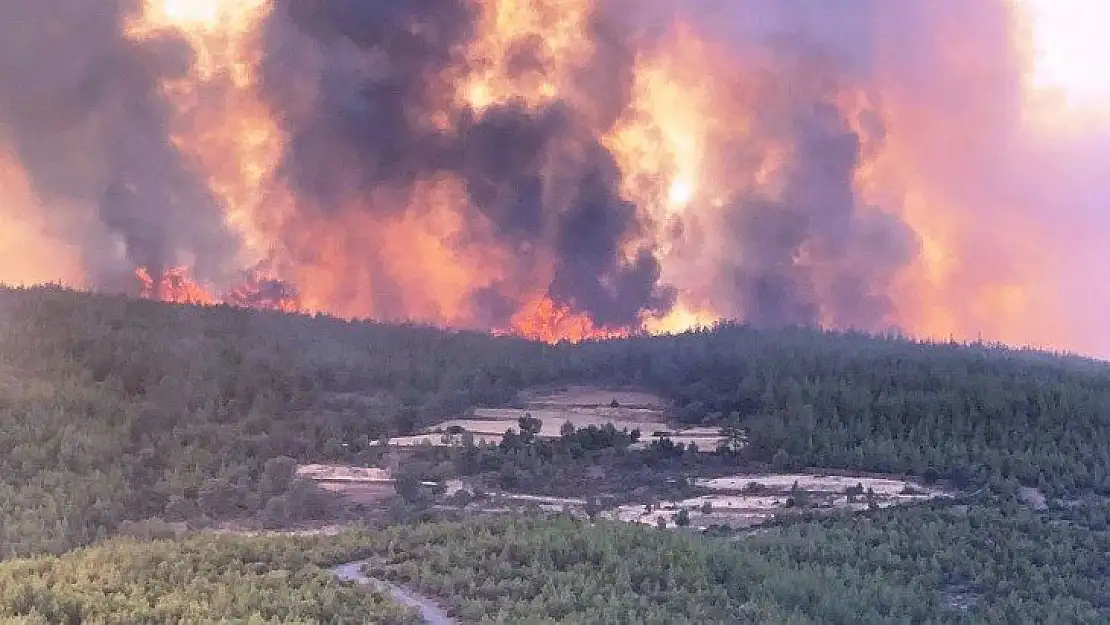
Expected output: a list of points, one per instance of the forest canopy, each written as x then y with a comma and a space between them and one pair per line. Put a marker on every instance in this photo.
119, 410
925, 565
131, 416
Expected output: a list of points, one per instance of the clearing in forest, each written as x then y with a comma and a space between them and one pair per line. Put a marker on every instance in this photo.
582, 406
358, 485
752, 499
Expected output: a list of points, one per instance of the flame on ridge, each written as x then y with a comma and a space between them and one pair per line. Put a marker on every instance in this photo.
906, 179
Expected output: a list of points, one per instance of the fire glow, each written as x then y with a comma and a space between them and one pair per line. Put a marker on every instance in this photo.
556, 169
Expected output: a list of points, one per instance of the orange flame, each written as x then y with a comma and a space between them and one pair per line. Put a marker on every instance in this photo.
540, 319
262, 291
543, 320
174, 285
690, 137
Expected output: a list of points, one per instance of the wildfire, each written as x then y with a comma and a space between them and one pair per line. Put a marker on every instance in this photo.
261, 291
176, 285
511, 31
173, 285
508, 165
219, 120
543, 320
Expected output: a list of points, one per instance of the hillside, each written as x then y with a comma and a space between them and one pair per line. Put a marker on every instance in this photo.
927, 565
134, 417
195, 581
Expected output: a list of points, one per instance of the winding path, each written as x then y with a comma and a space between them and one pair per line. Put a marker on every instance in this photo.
429, 611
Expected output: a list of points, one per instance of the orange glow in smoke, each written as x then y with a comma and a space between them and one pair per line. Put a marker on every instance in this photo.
29, 254
220, 121
690, 138
556, 27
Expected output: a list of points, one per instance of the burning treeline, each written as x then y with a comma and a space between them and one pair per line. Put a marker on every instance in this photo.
558, 168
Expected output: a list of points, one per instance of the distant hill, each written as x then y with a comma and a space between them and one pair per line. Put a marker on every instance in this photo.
119, 410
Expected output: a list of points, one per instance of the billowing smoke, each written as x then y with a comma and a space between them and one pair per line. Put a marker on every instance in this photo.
863, 163
81, 106
380, 71
537, 175
802, 246
817, 232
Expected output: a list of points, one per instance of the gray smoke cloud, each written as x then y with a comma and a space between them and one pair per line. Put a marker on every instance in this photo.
353, 84
811, 251
814, 253
540, 177
81, 106
1022, 204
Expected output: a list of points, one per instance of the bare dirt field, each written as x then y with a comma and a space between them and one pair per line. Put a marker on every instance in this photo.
442, 439
344, 473
737, 501
582, 406
747, 500
319, 530
588, 396
357, 485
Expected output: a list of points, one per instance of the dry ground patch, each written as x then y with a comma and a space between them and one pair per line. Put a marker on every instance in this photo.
737, 501
582, 406
751, 499
588, 396
357, 485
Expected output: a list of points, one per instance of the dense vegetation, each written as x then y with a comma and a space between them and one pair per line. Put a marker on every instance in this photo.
588, 461
114, 411
930, 564
934, 564
195, 581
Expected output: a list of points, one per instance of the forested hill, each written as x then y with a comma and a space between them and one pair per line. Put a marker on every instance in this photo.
115, 409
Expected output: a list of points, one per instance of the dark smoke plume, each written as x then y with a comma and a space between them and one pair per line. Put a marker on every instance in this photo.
540, 177
81, 106
812, 252
817, 232
354, 85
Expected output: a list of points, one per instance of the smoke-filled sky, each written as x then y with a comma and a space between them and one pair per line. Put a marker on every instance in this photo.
566, 168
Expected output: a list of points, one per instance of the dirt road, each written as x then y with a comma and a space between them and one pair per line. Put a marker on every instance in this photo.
429, 611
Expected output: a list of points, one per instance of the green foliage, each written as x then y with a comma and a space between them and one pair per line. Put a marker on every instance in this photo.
127, 416
682, 518
970, 414
116, 410
934, 563
200, 580
929, 564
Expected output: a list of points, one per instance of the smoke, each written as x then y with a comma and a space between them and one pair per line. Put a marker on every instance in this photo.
951, 213
799, 243
857, 164
817, 232
536, 177
80, 105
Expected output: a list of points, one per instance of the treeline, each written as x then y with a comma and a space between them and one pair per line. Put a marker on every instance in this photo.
116, 410
588, 461
930, 564
974, 414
